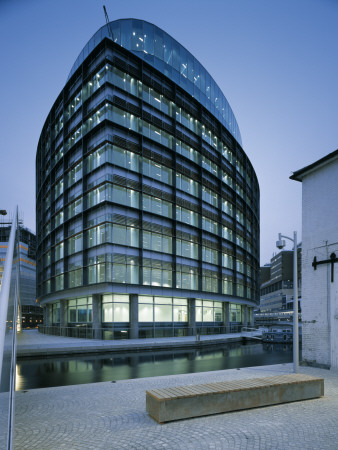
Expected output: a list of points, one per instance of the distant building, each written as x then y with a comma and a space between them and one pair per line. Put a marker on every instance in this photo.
147, 205
265, 272
31, 312
276, 291
319, 262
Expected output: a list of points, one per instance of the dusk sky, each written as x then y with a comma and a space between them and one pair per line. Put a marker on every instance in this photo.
276, 62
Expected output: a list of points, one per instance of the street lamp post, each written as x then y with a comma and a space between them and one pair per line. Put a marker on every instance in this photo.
281, 244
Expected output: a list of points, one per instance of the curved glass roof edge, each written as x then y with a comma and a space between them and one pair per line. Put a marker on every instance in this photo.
167, 55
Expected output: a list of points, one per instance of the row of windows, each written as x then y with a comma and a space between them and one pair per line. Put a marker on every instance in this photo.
129, 197
182, 215
158, 48
129, 160
130, 236
129, 273
184, 183
150, 204
129, 84
128, 120
116, 308
124, 235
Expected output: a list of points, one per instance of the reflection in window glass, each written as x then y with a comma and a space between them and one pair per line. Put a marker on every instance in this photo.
80, 310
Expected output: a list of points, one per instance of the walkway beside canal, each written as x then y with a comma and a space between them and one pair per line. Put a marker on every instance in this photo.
33, 343
112, 415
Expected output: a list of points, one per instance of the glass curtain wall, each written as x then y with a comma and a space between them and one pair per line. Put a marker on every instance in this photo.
142, 185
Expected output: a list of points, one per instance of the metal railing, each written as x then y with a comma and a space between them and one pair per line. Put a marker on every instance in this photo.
85, 331
249, 329
9, 299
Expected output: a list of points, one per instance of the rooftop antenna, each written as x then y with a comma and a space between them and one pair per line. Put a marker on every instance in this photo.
110, 32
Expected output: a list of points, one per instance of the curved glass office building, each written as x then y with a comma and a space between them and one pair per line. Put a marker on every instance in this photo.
147, 205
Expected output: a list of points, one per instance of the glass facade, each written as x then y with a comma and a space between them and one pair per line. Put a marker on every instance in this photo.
144, 189
31, 312
164, 53
162, 309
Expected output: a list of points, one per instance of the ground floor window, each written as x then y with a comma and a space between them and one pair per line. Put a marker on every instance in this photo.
115, 308
209, 311
250, 315
154, 312
80, 310
55, 312
162, 309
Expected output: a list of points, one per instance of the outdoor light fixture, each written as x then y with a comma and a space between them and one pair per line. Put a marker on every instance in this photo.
281, 244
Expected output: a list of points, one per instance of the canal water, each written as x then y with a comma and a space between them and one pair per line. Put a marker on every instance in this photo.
90, 368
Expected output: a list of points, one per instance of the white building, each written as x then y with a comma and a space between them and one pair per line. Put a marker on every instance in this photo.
319, 261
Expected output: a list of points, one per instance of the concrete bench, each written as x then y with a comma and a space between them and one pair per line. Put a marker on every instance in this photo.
183, 402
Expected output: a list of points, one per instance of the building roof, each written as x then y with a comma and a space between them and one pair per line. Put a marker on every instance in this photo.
301, 173
163, 52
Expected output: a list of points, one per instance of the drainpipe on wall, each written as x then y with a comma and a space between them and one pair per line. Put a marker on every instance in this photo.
328, 306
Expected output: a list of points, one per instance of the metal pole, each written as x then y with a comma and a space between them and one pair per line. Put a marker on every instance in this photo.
295, 306
5, 287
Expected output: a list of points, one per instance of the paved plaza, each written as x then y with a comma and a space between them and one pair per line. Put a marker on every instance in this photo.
112, 415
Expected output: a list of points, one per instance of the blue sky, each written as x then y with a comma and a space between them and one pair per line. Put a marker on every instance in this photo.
275, 61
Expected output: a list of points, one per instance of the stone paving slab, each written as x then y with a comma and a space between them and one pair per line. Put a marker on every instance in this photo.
113, 416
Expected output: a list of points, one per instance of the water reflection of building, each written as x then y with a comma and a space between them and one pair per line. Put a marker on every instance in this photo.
147, 205
31, 312
60, 371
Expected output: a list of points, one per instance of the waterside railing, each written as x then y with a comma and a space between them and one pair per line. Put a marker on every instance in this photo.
9, 300
118, 333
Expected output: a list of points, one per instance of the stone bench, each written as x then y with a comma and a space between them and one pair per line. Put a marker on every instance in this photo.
183, 402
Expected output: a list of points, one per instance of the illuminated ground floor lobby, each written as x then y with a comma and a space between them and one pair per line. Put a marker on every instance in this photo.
133, 316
